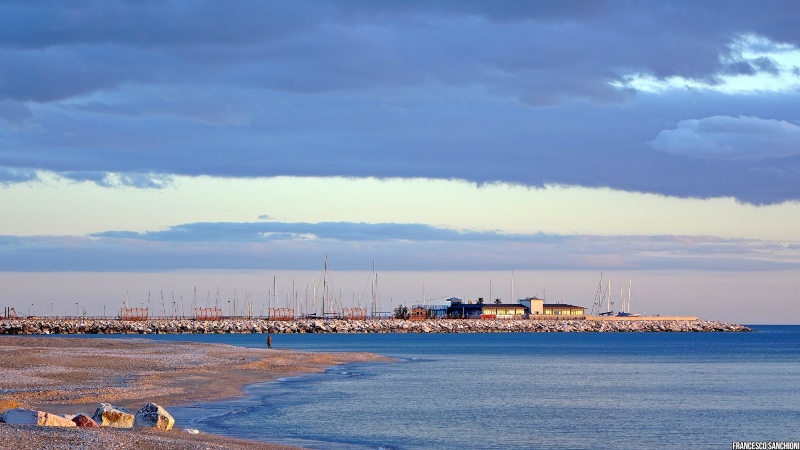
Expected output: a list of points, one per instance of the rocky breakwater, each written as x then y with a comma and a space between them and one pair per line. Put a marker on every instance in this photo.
240, 326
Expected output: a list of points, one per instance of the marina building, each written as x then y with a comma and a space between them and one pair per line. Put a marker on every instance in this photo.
561, 309
418, 313
486, 310
534, 304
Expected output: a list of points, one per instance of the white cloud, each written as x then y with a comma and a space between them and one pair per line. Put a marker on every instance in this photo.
730, 138
141, 180
752, 64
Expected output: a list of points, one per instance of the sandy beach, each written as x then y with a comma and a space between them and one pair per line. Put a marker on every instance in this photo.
72, 375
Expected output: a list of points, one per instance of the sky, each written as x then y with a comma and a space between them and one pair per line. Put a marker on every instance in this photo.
173, 146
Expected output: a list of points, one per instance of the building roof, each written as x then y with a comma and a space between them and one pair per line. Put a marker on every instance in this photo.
467, 305
562, 306
487, 305
503, 305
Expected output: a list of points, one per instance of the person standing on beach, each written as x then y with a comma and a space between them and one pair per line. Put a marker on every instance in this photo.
269, 341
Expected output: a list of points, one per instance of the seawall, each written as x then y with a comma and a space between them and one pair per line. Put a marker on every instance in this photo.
178, 326
642, 318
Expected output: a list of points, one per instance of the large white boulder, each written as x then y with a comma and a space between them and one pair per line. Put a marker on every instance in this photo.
23, 416
107, 415
153, 416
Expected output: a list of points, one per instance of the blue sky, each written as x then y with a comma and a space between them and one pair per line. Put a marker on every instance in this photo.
432, 137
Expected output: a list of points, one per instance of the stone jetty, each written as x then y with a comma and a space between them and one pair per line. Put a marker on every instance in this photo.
247, 326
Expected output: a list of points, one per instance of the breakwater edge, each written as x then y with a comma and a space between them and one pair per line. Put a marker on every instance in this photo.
247, 325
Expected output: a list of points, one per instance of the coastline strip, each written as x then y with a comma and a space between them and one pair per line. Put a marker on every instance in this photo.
72, 375
50, 372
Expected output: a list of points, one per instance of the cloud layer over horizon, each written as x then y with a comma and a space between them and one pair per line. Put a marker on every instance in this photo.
683, 99
396, 246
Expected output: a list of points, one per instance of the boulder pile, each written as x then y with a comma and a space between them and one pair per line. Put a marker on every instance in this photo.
106, 415
255, 325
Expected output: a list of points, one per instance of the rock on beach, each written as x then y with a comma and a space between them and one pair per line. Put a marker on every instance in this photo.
21, 416
84, 421
107, 415
153, 416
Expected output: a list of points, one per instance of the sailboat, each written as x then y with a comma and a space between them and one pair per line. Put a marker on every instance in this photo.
603, 294
625, 309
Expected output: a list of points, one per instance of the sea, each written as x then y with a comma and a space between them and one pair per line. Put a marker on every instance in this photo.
522, 391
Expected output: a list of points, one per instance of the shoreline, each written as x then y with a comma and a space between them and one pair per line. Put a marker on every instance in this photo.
264, 326
72, 375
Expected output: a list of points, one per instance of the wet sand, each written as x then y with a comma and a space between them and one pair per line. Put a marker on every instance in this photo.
72, 375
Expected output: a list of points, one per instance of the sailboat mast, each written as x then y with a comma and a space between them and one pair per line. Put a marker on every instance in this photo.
630, 288
598, 297
324, 284
512, 286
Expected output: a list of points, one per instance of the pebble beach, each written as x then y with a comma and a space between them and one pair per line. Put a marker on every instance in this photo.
73, 375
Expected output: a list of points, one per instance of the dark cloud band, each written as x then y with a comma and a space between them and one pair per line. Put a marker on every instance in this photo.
531, 93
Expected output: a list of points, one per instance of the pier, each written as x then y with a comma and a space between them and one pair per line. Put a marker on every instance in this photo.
255, 325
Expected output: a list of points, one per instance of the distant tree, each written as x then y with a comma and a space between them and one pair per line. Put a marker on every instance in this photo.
497, 301
402, 312
480, 300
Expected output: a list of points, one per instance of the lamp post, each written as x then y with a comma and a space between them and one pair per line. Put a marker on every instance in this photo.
77, 313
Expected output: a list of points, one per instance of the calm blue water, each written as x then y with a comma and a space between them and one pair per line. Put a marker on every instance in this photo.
537, 390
